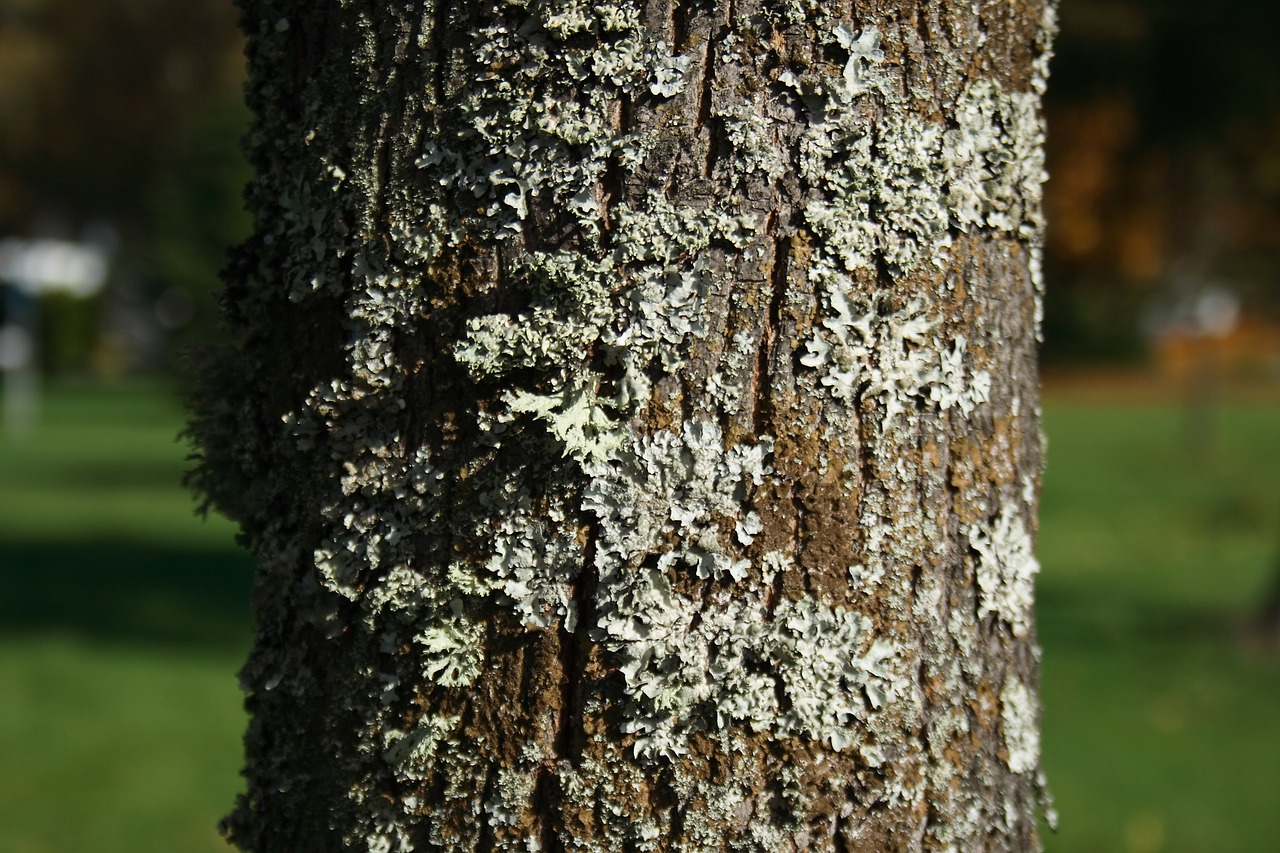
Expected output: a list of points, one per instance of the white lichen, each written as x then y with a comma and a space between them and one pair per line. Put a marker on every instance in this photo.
509, 796
1006, 569
535, 558
676, 488
893, 192
411, 754
641, 308
1019, 719
692, 666
994, 161
452, 649
889, 356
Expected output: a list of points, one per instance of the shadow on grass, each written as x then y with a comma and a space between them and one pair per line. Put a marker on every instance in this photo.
107, 474
125, 591
1070, 615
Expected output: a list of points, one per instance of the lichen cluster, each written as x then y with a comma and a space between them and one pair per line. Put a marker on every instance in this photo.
1006, 570
650, 496
798, 668
895, 193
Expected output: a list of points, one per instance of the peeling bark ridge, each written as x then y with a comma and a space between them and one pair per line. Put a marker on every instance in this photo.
632, 408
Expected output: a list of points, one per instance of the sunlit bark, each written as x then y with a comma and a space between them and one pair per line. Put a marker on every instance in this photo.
633, 410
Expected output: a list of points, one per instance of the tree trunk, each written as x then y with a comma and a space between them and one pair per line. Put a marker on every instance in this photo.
633, 410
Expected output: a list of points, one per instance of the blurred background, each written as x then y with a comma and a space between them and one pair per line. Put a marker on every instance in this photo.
124, 617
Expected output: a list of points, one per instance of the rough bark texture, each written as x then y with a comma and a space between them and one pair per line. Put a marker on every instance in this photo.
633, 409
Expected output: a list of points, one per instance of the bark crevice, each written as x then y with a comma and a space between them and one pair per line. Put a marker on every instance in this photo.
547, 320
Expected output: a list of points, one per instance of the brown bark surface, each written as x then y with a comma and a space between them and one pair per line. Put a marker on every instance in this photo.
633, 408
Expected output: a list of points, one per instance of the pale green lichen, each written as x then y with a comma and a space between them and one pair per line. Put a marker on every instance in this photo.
1019, 719
657, 275
541, 338
535, 558
895, 192
531, 129
581, 421
363, 534
1006, 569
754, 142
676, 487
691, 666
890, 356
452, 652
411, 754
994, 161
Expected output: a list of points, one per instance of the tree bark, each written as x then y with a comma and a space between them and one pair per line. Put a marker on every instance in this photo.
633, 410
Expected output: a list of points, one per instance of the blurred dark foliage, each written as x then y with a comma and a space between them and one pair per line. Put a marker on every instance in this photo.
1164, 161
123, 117
1164, 155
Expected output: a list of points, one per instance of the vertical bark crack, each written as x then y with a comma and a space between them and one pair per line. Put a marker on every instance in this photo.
574, 650
612, 184
546, 803
702, 117
761, 379
439, 51
705, 81
679, 27
567, 740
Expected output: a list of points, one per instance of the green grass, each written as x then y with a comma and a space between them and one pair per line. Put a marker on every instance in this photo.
122, 623
1162, 719
111, 748
124, 618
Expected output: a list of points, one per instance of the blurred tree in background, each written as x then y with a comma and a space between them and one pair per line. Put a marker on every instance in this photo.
121, 119
1164, 156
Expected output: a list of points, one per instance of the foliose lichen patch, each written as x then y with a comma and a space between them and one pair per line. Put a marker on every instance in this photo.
1006, 569
550, 524
896, 193
1019, 715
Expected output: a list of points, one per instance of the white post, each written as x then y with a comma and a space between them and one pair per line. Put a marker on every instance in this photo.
28, 268
18, 360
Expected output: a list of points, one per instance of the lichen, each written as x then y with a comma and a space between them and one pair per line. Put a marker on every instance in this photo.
411, 754
1019, 719
657, 276
535, 559
692, 667
896, 195
889, 356
1006, 569
676, 488
610, 496
994, 161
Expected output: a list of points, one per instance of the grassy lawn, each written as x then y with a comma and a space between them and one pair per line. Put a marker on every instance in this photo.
122, 623
1162, 719
123, 620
